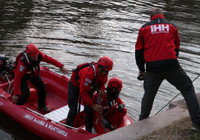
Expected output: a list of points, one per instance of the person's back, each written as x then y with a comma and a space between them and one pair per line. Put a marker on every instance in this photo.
158, 46
158, 41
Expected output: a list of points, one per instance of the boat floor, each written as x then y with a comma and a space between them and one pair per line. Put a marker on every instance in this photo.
59, 107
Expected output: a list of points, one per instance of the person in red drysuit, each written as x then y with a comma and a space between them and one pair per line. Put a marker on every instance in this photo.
85, 80
27, 67
113, 108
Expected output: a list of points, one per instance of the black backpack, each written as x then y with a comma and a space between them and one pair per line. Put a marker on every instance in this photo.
81, 66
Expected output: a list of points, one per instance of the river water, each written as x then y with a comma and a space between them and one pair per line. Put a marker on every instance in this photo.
78, 31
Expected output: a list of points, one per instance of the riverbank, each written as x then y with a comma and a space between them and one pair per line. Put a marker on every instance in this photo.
178, 130
173, 121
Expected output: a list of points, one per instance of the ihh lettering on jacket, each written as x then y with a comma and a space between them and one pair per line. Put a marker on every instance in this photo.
161, 28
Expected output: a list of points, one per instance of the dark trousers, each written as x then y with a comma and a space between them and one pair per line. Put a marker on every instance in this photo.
88, 117
180, 80
39, 84
73, 95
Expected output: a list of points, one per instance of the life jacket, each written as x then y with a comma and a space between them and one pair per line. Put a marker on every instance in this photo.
81, 66
32, 66
106, 104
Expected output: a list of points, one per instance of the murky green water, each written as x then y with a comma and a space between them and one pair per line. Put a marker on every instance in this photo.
77, 31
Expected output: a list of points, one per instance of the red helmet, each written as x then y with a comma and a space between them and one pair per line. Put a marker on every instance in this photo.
106, 62
32, 50
115, 82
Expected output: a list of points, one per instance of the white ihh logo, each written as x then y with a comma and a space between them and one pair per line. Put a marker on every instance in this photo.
161, 28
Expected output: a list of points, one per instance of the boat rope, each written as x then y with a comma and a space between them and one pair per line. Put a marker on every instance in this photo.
175, 96
51, 120
1, 95
10, 84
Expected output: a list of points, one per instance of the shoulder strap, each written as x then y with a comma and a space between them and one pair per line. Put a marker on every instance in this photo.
93, 67
27, 59
81, 66
16, 61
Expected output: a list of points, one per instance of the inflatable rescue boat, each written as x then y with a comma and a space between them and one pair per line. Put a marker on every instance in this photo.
50, 125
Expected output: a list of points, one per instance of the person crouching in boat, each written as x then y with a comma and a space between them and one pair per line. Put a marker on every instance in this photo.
85, 80
113, 108
26, 68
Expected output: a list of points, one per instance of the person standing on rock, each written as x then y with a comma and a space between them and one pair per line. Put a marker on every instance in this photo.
156, 53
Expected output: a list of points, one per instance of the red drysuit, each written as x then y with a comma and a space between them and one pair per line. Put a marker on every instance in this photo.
110, 113
24, 67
